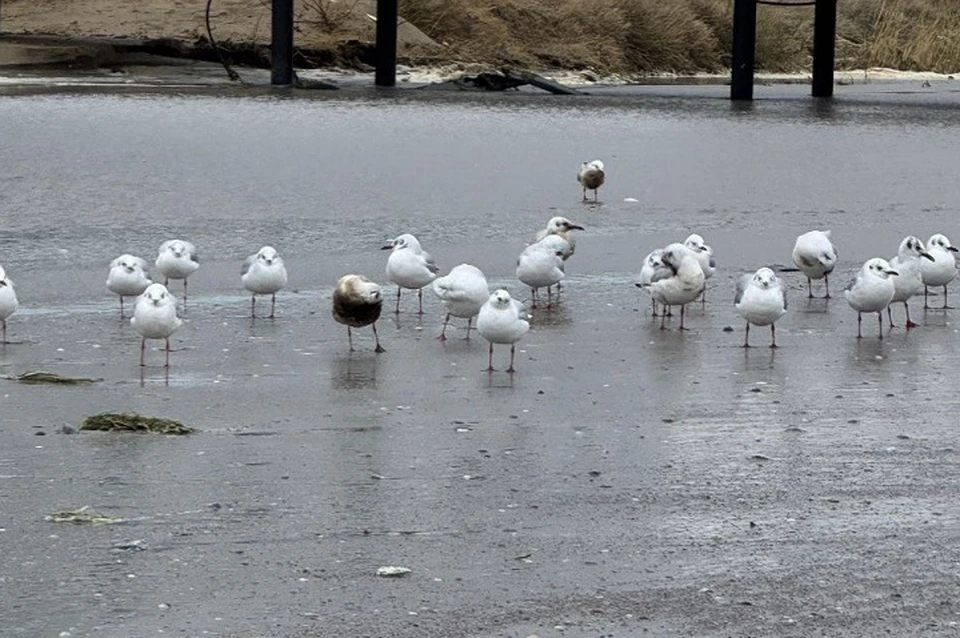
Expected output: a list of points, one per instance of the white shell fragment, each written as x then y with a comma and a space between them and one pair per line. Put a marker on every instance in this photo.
392, 571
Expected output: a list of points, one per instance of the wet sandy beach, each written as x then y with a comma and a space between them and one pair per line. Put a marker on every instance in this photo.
625, 481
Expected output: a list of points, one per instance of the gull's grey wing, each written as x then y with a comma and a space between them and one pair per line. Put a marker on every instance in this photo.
247, 263
192, 251
783, 293
742, 284
713, 262
663, 272
853, 282
431, 262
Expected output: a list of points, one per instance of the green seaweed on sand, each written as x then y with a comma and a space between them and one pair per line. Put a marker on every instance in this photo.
36, 377
129, 422
83, 515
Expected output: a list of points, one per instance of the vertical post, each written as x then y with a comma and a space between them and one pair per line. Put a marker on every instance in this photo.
824, 46
281, 46
744, 49
387, 13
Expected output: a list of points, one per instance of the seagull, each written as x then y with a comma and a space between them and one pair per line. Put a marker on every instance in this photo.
871, 290
943, 269
409, 266
357, 303
155, 317
591, 176
502, 320
128, 277
463, 292
681, 283
653, 268
177, 260
909, 281
815, 256
540, 266
263, 274
704, 255
8, 303
560, 227
761, 299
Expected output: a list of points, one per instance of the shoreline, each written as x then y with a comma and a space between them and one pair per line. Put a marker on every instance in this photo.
27, 59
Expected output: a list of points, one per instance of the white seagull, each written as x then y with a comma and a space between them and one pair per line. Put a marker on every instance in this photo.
761, 299
8, 303
357, 302
540, 266
558, 228
263, 274
502, 320
409, 266
653, 268
681, 283
871, 290
815, 256
591, 176
177, 260
943, 269
909, 281
128, 277
463, 292
704, 255
155, 317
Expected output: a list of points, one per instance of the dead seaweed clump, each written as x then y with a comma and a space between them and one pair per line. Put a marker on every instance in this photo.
83, 515
131, 422
37, 377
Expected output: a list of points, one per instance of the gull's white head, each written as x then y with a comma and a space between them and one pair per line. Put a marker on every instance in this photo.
912, 247
674, 254
765, 278
879, 268
695, 243
129, 263
178, 248
404, 241
655, 258
157, 295
269, 256
559, 225
500, 299
941, 241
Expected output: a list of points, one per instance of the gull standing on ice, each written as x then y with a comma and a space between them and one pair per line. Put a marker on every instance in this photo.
539, 266
128, 277
177, 260
681, 283
943, 269
463, 292
8, 303
815, 256
761, 299
871, 290
409, 266
155, 317
909, 281
591, 176
263, 274
653, 268
502, 320
704, 255
357, 302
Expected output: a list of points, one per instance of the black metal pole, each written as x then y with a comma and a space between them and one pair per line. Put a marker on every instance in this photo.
744, 49
387, 13
824, 46
281, 47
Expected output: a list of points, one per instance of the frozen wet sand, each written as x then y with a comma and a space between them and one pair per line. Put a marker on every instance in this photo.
625, 479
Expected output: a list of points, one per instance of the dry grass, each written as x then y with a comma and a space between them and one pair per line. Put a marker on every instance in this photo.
686, 35
625, 36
